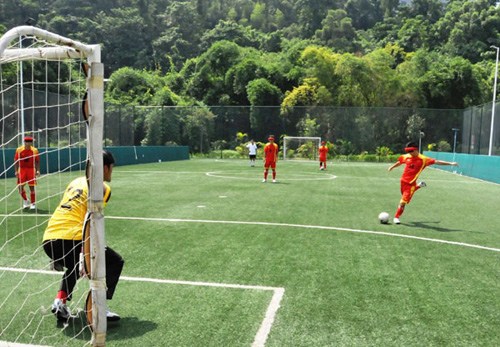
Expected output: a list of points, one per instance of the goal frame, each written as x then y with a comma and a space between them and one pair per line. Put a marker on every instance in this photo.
305, 138
93, 109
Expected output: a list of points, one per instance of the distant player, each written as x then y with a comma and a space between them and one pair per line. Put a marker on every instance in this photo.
252, 152
62, 241
415, 164
323, 154
270, 158
27, 167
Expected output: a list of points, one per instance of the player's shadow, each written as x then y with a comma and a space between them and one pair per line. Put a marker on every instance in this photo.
77, 323
129, 327
125, 328
431, 226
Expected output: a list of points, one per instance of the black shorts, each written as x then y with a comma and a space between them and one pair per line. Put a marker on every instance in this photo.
252, 156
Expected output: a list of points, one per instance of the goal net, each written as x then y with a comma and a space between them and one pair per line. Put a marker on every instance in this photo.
297, 147
51, 89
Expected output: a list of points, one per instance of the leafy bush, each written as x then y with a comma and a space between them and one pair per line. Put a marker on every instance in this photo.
443, 146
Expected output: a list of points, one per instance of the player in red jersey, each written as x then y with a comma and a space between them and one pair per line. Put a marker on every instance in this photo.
27, 167
323, 152
415, 164
270, 158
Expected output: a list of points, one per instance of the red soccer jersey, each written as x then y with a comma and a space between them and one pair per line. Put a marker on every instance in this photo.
323, 151
26, 158
271, 152
414, 166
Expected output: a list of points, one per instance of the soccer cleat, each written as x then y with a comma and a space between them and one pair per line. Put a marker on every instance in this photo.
26, 204
32, 207
397, 221
111, 316
60, 310
422, 184
264, 180
274, 181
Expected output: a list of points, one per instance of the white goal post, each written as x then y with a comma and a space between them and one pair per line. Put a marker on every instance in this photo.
37, 48
294, 143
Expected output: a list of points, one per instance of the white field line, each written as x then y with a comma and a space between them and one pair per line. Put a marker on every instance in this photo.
13, 344
265, 326
321, 227
303, 226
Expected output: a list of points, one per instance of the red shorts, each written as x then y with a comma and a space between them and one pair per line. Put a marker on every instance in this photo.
27, 176
407, 191
270, 164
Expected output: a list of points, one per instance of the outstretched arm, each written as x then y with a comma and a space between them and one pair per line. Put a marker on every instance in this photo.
394, 165
442, 162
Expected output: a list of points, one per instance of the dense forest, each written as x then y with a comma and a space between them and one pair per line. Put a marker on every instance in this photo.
289, 53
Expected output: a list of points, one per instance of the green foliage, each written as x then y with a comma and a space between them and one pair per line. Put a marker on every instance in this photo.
415, 124
383, 151
443, 146
198, 128
307, 150
344, 147
292, 54
308, 127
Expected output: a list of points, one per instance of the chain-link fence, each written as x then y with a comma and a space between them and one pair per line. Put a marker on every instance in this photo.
476, 130
353, 130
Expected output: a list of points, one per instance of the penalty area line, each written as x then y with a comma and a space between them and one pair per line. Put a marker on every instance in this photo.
265, 326
305, 226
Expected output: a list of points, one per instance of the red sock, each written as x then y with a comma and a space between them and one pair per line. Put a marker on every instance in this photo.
62, 295
32, 196
23, 194
399, 211
274, 174
265, 174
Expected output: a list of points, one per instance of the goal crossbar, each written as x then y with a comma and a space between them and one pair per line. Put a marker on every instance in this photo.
66, 48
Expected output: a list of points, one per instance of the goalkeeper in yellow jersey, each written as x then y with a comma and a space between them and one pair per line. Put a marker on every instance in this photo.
62, 241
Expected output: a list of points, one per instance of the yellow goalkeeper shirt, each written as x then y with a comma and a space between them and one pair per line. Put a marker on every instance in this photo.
67, 221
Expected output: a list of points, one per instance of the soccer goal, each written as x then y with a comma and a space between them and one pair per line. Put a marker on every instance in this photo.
51, 89
300, 147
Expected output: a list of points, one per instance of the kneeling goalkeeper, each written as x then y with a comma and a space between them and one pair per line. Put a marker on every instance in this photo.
62, 241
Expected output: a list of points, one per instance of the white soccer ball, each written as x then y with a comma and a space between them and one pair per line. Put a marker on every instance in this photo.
383, 217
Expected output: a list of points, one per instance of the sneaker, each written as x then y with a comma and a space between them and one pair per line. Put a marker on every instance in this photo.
274, 181
26, 204
60, 310
422, 184
32, 207
397, 221
111, 316
264, 180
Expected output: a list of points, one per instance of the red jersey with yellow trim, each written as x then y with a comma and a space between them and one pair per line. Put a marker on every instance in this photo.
67, 221
414, 166
271, 152
323, 151
26, 158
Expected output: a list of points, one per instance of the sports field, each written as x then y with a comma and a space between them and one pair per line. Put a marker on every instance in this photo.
215, 257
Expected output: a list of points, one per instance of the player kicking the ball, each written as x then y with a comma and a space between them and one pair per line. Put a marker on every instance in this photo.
415, 164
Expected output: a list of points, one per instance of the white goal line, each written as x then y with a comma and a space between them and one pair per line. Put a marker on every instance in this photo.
265, 326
